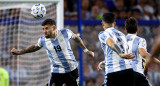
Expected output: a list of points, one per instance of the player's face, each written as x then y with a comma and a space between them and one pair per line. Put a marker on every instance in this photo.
47, 29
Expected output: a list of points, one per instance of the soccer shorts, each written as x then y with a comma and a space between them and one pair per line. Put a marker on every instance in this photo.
70, 79
121, 78
141, 80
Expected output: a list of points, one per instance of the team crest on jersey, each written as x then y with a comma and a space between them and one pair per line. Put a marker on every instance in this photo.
61, 40
48, 44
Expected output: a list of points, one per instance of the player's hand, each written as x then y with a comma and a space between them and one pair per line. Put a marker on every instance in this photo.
151, 62
148, 62
127, 56
14, 52
75, 36
90, 53
100, 65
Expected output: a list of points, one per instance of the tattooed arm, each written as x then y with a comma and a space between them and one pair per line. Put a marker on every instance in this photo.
29, 49
79, 41
117, 49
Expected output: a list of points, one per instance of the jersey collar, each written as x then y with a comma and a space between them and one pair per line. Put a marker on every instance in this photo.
109, 28
132, 34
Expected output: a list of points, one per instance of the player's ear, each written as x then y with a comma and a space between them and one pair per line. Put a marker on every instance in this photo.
102, 23
54, 27
137, 29
125, 30
114, 24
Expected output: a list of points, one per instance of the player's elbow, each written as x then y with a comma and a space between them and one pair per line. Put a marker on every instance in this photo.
144, 56
143, 53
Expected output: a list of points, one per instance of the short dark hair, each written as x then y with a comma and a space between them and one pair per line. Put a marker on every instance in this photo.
48, 22
108, 18
131, 25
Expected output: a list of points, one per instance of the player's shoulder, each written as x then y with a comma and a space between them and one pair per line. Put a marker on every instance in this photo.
65, 30
141, 38
100, 33
42, 37
119, 32
2, 70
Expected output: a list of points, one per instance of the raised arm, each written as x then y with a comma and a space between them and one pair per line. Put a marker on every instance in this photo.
79, 41
101, 65
117, 49
29, 49
143, 53
156, 48
149, 59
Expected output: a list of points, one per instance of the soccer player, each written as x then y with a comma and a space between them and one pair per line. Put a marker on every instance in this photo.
4, 77
56, 42
137, 45
118, 71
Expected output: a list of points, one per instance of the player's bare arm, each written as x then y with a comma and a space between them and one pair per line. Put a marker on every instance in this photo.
116, 48
29, 49
143, 53
100, 65
149, 59
156, 48
147, 56
79, 41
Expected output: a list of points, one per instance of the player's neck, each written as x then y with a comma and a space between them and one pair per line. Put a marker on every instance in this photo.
106, 27
132, 33
54, 34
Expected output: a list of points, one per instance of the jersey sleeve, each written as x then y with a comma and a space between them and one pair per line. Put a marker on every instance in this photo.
103, 36
70, 33
39, 42
142, 43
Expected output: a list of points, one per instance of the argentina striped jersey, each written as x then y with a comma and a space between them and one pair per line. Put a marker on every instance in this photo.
113, 62
59, 51
134, 43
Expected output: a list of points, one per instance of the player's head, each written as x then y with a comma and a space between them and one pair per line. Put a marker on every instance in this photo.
131, 25
49, 27
108, 20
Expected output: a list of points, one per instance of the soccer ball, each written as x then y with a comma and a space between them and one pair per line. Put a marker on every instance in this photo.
38, 11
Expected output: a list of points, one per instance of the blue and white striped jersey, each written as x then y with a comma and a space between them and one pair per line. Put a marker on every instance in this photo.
113, 62
135, 42
59, 51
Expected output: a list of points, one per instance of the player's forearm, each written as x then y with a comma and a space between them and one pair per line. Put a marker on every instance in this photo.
156, 61
144, 53
79, 41
29, 49
113, 46
156, 49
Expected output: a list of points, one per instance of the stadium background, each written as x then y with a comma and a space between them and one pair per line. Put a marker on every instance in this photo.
146, 11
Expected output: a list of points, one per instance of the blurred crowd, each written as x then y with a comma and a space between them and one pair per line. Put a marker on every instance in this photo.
93, 9
122, 9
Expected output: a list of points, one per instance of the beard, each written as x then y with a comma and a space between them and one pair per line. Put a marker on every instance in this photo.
47, 35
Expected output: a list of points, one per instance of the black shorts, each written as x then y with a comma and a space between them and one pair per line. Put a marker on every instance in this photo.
121, 78
70, 79
141, 80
